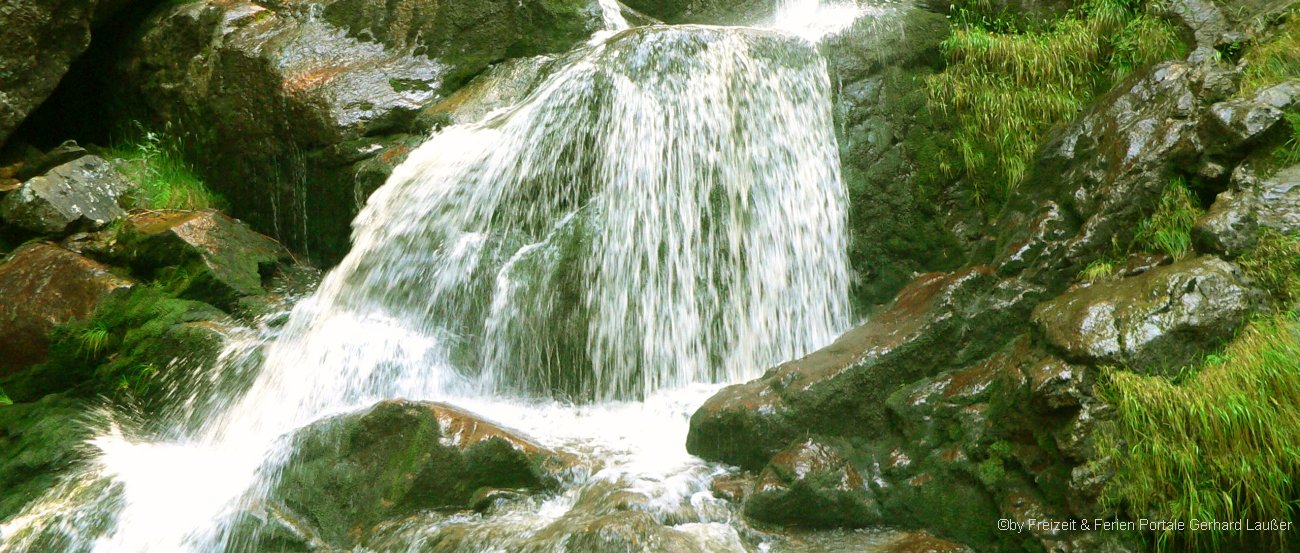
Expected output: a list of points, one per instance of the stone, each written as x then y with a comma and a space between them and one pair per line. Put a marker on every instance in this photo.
712, 12
84, 192
1235, 220
1155, 322
396, 458
938, 322
220, 257
42, 286
287, 98
1245, 120
810, 484
40, 41
922, 542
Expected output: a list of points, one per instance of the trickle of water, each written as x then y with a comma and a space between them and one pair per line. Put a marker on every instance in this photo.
665, 211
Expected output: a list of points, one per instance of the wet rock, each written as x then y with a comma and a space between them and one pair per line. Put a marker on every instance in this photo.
922, 542
810, 484
623, 531
1153, 323
1241, 121
713, 12
286, 99
40, 41
1233, 224
938, 322
499, 86
220, 258
38, 441
41, 286
399, 458
81, 193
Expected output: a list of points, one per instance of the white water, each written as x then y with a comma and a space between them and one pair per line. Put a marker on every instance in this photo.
662, 216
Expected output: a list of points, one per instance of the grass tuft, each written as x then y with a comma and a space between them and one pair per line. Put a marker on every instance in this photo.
1274, 263
155, 163
1222, 445
1274, 60
1169, 229
1004, 88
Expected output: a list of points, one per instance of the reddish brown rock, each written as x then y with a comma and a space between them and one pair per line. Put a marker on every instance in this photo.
41, 286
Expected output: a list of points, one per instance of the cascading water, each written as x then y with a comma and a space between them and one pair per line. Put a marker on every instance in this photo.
662, 215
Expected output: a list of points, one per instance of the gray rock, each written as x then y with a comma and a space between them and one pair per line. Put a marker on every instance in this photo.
1246, 119
1155, 322
83, 191
810, 484
1234, 222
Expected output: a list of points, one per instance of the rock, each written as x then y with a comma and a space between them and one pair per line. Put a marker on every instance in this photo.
1233, 224
938, 322
622, 531
1246, 120
922, 542
398, 458
712, 12
220, 258
1093, 181
43, 286
81, 193
286, 99
1155, 322
810, 484
38, 441
499, 86
40, 41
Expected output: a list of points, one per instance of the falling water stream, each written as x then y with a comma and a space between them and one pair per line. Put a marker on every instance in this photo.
662, 216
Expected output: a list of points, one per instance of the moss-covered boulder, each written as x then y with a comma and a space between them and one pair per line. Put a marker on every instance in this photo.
810, 484
395, 459
42, 286
1156, 322
38, 441
212, 257
279, 102
1254, 206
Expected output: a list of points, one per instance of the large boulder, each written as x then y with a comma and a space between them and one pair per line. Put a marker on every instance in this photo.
810, 484
282, 102
219, 258
938, 322
84, 192
395, 459
42, 286
39, 42
1155, 322
1238, 217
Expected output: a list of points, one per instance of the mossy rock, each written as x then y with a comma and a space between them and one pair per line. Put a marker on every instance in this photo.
38, 442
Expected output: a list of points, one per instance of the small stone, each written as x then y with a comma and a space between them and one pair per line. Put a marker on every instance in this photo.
83, 191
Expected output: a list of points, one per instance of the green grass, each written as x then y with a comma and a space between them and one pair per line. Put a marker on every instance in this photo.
155, 163
4, 398
1004, 88
1274, 263
1221, 445
1274, 60
93, 339
1099, 269
1169, 228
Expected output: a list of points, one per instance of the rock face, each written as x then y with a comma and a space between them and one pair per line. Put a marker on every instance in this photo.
1234, 222
41, 39
397, 458
43, 285
84, 192
1246, 120
840, 390
1154, 322
810, 484
285, 100
221, 257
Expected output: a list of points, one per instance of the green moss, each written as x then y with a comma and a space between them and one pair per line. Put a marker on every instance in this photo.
1004, 88
1221, 445
155, 163
1169, 228
1274, 263
1273, 60
1099, 269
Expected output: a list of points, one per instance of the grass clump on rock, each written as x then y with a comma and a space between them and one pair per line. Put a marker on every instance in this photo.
1274, 263
1169, 229
1274, 60
1221, 445
164, 180
1003, 87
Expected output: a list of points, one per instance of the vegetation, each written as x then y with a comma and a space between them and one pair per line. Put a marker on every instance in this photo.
1169, 229
1099, 269
1274, 263
156, 164
4, 398
1005, 87
1222, 445
1274, 60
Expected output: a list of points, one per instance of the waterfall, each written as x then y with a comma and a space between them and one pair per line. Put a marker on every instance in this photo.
664, 211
